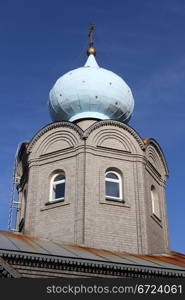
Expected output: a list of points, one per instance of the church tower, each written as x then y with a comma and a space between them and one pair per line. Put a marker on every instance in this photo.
88, 178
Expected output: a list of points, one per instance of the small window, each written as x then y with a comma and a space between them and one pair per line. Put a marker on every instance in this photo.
113, 186
58, 187
155, 202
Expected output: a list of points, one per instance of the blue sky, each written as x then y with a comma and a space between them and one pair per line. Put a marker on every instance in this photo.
142, 41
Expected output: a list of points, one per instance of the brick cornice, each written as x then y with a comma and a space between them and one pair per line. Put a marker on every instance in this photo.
53, 126
117, 124
157, 147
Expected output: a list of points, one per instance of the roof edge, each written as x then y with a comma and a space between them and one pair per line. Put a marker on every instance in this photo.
80, 262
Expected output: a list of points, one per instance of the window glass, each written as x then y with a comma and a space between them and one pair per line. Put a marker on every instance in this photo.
112, 189
155, 202
58, 191
59, 177
111, 175
113, 185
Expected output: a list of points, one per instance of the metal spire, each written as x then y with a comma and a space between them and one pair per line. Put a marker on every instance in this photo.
90, 35
91, 49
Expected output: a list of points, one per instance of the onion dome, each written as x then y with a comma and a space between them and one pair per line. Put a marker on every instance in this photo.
90, 92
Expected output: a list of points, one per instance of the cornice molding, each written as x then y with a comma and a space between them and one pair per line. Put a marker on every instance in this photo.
117, 124
88, 266
53, 126
157, 147
6, 270
85, 134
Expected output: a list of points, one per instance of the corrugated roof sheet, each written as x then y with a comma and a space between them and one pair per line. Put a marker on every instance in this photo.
24, 244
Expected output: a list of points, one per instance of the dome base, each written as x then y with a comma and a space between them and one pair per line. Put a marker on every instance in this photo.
89, 115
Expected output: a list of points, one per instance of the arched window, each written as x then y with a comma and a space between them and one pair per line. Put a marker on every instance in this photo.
155, 202
113, 186
58, 187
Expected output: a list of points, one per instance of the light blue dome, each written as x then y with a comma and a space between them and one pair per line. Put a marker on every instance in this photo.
90, 92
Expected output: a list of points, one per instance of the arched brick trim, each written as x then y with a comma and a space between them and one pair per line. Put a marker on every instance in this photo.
159, 151
117, 124
52, 126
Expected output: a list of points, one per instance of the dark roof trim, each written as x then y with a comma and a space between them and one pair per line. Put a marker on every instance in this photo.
7, 271
77, 263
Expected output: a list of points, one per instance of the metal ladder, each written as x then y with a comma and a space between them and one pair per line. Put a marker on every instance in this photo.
14, 204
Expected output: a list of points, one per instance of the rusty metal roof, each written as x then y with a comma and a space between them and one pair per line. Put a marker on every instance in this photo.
21, 244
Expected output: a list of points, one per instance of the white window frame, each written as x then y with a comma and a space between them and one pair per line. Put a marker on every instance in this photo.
155, 202
56, 183
119, 181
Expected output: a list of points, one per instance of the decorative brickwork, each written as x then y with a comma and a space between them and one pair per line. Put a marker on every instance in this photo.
86, 217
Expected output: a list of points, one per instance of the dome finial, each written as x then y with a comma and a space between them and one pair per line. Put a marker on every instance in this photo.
91, 49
